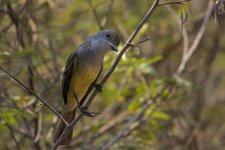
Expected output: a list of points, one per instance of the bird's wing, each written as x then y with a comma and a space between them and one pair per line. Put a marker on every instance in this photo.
90, 87
68, 72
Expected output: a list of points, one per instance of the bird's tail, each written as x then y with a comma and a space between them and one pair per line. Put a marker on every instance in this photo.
68, 116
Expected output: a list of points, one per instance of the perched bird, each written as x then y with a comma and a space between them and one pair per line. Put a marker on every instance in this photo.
82, 70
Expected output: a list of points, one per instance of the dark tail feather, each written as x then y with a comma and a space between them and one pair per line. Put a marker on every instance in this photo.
68, 116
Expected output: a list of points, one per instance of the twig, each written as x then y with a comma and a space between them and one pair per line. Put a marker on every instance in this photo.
105, 20
108, 74
194, 46
142, 41
13, 136
130, 122
138, 119
54, 58
184, 31
136, 45
134, 119
39, 98
39, 127
95, 15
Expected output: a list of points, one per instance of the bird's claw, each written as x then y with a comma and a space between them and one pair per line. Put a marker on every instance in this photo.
85, 111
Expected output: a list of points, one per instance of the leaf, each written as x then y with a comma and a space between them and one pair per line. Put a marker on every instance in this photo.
8, 117
160, 115
133, 106
3, 126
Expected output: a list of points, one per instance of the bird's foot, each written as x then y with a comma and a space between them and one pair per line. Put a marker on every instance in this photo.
84, 110
98, 87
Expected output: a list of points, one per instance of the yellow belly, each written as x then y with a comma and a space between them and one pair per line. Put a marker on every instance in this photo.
79, 83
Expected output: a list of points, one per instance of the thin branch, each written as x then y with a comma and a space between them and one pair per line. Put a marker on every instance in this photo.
134, 119
138, 43
39, 127
108, 74
184, 31
34, 94
106, 18
130, 122
54, 57
13, 137
95, 15
194, 46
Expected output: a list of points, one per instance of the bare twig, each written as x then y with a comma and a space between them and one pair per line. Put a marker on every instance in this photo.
34, 94
95, 15
54, 58
13, 137
106, 18
134, 119
187, 55
130, 122
184, 31
39, 127
108, 74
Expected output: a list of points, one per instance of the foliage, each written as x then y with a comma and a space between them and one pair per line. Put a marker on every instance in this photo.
170, 109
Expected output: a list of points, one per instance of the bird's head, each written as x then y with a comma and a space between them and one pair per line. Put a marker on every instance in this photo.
105, 40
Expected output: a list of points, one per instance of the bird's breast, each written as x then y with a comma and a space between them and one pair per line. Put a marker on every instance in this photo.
83, 76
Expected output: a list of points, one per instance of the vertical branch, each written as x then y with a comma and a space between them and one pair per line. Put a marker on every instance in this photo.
105, 20
34, 94
95, 15
194, 46
13, 137
55, 62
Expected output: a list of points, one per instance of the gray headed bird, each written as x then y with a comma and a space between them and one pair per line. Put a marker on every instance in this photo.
82, 70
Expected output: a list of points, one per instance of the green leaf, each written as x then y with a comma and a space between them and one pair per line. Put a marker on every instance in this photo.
160, 115
8, 117
3, 126
133, 106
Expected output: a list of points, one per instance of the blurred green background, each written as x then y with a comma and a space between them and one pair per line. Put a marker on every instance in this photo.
36, 37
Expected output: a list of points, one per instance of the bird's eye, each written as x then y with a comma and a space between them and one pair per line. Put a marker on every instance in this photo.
107, 35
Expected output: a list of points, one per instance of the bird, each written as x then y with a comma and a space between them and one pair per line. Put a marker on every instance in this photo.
81, 73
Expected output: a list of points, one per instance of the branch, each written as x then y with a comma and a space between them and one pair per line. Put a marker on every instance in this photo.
187, 55
34, 94
134, 119
13, 137
108, 74
95, 15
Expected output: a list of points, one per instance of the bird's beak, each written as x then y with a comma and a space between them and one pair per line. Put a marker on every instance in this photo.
114, 48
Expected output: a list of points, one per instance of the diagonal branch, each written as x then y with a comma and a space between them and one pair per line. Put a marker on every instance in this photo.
34, 94
135, 118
